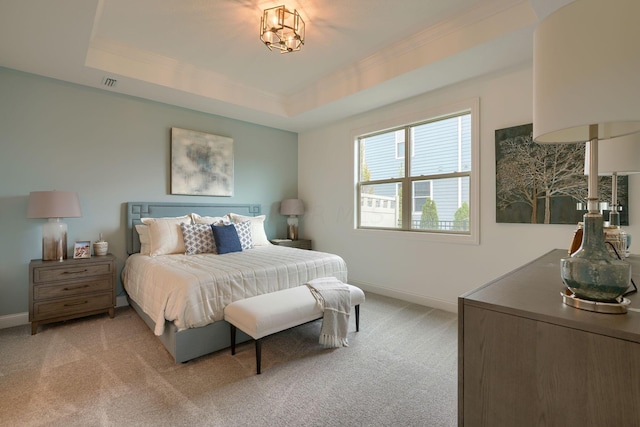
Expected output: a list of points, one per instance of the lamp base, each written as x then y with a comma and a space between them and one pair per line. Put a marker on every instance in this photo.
292, 227
618, 307
591, 273
292, 232
54, 240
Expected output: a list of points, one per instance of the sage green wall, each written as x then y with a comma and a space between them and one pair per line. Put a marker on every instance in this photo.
111, 149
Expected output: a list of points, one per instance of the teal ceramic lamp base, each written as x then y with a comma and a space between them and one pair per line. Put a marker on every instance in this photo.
591, 273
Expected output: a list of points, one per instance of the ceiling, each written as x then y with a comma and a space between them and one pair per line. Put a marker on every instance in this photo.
206, 55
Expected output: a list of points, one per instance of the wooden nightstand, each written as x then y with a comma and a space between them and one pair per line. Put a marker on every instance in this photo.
300, 243
63, 290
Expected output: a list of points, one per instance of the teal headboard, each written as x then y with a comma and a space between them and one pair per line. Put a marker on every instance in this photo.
138, 210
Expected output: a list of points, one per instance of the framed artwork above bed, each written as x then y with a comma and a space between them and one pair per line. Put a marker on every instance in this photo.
201, 163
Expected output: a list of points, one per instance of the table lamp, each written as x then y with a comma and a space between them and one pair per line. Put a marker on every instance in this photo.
617, 157
54, 205
292, 208
586, 87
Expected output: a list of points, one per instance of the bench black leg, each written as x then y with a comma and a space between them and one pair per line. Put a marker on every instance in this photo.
358, 318
258, 354
233, 339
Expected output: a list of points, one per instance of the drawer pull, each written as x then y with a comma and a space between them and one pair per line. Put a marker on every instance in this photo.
75, 272
76, 303
72, 288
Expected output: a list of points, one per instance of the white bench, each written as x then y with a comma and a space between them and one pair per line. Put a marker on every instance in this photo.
267, 314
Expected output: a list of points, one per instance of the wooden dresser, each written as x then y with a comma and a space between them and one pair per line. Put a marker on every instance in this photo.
63, 290
526, 359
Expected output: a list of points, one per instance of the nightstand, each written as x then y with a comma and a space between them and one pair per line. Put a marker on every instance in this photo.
300, 243
63, 290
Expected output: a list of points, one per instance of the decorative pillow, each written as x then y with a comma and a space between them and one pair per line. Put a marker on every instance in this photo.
165, 235
244, 234
226, 238
143, 234
197, 219
258, 234
198, 239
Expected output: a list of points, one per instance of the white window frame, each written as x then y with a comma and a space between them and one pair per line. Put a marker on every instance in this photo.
473, 237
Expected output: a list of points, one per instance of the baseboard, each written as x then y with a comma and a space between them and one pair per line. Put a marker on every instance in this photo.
406, 296
18, 319
122, 301
11, 320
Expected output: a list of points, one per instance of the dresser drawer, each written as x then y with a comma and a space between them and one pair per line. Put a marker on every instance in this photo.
69, 289
70, 272
71, 306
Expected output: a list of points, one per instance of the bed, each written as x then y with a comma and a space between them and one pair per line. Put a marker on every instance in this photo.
182, 297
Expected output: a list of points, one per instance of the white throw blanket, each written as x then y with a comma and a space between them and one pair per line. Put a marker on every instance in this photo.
334, 297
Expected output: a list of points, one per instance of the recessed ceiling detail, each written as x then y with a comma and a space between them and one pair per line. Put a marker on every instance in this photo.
201, 55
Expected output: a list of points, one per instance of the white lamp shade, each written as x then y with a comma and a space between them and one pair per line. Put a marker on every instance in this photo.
53, 204
292, 207
586, 71
618, 155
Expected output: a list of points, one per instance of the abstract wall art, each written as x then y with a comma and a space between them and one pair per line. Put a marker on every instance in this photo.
201, 163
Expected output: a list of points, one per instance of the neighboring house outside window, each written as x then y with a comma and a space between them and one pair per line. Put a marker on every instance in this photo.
428, 191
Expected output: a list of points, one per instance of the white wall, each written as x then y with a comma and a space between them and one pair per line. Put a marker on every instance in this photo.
411, 267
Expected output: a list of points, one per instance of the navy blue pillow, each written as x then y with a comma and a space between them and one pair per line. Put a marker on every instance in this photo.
226, 237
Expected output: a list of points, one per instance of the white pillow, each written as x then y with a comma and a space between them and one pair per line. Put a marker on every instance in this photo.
197, 219
165, 235
258, 235
143, 234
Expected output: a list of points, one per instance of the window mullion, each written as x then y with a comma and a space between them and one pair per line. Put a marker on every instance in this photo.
407, 187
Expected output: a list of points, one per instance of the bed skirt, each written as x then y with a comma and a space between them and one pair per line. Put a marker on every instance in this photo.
195, 342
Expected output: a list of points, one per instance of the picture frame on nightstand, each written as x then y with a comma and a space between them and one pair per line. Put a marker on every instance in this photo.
82, 249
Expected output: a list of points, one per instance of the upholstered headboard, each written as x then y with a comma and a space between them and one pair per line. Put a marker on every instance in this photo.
138, 210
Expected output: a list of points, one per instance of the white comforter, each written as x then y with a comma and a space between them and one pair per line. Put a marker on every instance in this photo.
192, 290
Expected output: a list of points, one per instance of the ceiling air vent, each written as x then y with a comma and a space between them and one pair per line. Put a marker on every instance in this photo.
109, 82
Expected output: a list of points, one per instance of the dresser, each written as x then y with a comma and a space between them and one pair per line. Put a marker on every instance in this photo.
527, 359
63, 290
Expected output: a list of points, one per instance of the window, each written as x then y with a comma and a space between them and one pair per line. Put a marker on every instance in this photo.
430, 191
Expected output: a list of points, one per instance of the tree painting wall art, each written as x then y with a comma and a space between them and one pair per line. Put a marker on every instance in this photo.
201, 163
545, 183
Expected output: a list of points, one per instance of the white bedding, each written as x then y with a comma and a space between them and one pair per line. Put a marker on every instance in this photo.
192, 290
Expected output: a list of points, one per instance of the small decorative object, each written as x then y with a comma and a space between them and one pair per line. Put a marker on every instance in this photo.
201, 163
293, 208
54, 205
82, 249
100, 247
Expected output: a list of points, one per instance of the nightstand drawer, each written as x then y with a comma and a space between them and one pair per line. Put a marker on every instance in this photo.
70, 289
60, 308
70, 272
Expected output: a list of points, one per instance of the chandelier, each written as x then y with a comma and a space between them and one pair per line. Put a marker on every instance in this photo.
282, 29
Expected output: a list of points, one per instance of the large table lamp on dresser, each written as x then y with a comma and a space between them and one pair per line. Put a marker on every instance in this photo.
586, 88
54, 205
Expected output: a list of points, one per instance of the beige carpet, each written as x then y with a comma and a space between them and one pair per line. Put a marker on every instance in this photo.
399, 370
